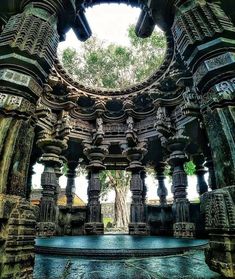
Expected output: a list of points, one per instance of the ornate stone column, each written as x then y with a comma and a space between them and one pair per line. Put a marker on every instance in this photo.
204, 36
144, 194
202, 186
96, 155
162, 190
182, 226
28, 43
51, 159
70, 188
137, 224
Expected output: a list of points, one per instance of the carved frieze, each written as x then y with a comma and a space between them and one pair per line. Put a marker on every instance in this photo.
11, 102
193, 26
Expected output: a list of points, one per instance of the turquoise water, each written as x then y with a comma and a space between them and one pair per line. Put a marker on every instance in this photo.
118, 242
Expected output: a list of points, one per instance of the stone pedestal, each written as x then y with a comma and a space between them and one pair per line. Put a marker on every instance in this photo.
220, 223
94, 228
138, 229
17, 234
184, 230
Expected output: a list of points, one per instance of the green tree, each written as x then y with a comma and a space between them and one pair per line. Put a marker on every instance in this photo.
114, 66
119, 181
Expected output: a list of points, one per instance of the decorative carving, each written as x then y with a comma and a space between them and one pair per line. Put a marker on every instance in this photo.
199, 23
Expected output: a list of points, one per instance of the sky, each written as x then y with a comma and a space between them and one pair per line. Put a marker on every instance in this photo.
109, 22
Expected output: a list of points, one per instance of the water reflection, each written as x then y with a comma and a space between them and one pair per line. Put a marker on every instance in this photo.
190, 265
117, 242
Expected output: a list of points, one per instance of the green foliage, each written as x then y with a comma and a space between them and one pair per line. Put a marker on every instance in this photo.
113, 66
113, 180
107, 220
189, 168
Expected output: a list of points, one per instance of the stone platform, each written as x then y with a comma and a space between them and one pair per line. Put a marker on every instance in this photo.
116, 246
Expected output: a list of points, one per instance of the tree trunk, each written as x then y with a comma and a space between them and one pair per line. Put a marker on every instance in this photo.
121, 210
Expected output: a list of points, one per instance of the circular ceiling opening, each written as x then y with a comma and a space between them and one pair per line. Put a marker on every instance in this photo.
114, 58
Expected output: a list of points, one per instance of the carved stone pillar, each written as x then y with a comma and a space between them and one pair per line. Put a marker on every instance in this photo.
144, 192
70, 188
162, 190
51, 159
96, 155
28, 44
182, 225
137, 224
94, 224
204, 36
202, 186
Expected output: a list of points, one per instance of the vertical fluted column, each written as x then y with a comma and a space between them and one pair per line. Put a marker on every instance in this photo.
70, 188
161, 190
52, 161
96, 155
94, 197
182, 225
144, 192
94, 223
138, 225
137, 205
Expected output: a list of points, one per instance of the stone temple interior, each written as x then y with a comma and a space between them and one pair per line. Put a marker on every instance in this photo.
184, 111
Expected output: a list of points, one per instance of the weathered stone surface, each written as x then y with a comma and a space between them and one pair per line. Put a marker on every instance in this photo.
17, 234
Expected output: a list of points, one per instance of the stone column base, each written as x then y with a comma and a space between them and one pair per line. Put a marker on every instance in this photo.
184, 230
46, 229
220, 256
94, 228
138, 229
17, 234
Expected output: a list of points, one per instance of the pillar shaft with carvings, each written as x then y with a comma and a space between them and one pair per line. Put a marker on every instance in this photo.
96, 155
204, 36
28, 44
135, 155
70, 188
182, 225
51, 160
161, 190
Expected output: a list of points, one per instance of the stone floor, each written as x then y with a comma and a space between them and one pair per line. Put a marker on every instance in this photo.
189, 265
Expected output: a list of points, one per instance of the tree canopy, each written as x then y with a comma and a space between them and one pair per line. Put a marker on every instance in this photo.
112, 66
